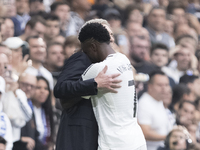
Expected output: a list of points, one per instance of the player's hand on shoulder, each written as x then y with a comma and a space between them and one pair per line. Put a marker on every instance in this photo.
107, 83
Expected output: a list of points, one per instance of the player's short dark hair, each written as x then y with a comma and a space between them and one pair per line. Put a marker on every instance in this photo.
153, 73
185, 79
34, 20
55, 5
96, 31
159, 46
2, 140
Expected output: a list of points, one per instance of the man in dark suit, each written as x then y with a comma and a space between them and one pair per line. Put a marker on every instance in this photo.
78, 128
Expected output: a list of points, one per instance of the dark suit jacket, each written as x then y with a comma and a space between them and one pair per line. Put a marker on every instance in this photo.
78, 127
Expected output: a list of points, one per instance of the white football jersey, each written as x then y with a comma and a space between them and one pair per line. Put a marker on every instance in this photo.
116, 112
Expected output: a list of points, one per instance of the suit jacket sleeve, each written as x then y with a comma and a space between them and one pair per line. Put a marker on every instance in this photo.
70, 84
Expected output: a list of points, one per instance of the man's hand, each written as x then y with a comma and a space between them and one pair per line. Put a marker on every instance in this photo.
30, 142
107, 83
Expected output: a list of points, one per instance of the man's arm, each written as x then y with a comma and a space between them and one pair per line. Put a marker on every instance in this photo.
69, 86
150, 134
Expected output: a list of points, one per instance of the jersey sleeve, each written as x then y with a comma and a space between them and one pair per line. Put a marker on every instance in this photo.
91, 72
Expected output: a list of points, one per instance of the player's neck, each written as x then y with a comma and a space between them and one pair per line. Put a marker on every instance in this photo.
108, 50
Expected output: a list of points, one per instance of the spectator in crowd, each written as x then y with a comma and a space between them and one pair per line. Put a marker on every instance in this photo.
52, 28
184, 29
139, 49
178, 139
184, 60
2, 143
36, 6
8, 9
185, 114
27, 83
159, 55
79, 11
133, 29
193, 82
177, 9
37, 49
133, 13
62, 10
19, 63
152, 115
5, 125
34, 27
187, 41
186, 117
71, 45
7, 29
180, 93
114, 19
22, 16
15, 105
55, 59
156, 19
163, 3
42, 110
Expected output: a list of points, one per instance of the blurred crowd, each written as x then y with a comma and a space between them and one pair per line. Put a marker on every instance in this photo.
161, 38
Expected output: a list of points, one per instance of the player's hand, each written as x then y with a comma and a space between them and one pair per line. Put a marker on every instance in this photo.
107, 83
30, 142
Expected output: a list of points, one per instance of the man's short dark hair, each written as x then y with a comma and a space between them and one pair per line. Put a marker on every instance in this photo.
71, 40
52, 18
2, 140
55, 5
178, 92
178, 39
32, 37
159, 46
52, 44
185, 79
96, 31
153, 73
155, 8
31, 1
175, 5
185, 101
34, 20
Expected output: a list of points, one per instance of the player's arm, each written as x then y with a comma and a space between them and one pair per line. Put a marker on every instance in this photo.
150, 134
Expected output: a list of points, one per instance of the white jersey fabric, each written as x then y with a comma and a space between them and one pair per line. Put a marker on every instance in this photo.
116, 112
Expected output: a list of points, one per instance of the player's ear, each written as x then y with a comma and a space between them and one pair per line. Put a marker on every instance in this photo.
93, 46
